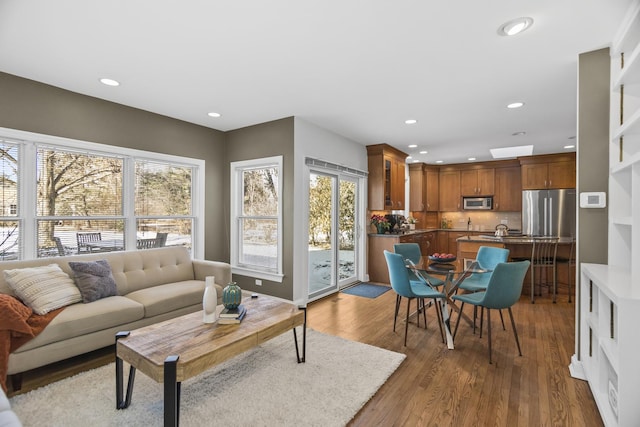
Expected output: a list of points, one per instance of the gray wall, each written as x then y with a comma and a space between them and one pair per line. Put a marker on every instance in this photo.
592, 161
593, 151
265, 140
36, 107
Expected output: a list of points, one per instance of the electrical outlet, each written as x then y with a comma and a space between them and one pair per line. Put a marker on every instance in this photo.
258, 282
504, 221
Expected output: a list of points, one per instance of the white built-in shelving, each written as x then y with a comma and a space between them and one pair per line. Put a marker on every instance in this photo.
610, 293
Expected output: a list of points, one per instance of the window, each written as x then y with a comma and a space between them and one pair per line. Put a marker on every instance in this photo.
256, 215
84, 197
9, 194
163, 208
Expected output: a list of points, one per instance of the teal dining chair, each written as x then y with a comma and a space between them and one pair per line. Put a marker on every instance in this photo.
503, 291
411, 252
403, 287
488, 257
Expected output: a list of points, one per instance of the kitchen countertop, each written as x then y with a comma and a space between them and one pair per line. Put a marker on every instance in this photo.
509, 240
429, 230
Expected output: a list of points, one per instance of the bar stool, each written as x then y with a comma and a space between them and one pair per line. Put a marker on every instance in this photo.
571, 263
543, 258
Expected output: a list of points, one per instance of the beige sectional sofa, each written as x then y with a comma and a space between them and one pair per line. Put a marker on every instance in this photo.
152, 285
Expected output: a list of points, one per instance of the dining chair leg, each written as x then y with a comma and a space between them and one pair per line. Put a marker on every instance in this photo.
502, 320
455, 330
475, 315
424, 313
488, 331
395, 317
481, 320
406, 323
438, 307
515, 332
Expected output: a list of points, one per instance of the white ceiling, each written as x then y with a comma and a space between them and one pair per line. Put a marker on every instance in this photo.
359, 68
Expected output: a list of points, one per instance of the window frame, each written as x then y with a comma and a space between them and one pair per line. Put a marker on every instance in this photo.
29, 143
236, 214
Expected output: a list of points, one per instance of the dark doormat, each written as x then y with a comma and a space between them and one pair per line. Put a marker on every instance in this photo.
367, 290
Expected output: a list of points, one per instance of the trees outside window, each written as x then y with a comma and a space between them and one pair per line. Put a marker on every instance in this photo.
68, 187
256, 239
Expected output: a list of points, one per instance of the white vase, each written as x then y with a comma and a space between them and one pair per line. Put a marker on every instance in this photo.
209, 301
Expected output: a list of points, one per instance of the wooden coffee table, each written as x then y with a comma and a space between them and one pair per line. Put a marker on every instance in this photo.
178, 349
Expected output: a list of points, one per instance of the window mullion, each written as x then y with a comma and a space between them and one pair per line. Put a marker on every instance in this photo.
128, 201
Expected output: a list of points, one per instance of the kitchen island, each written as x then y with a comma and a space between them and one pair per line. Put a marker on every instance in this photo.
519, 246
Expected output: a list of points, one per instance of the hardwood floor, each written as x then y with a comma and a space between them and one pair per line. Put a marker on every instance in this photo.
441, 387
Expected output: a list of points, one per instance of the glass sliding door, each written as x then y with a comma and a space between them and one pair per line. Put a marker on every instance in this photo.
332, 232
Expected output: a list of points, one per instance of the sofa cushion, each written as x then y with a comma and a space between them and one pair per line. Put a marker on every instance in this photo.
43, 288
94, 279
172, 296
81, 319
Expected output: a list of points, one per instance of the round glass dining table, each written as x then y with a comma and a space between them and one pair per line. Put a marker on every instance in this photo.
454, 274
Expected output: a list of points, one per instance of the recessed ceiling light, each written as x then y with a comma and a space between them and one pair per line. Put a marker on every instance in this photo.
438, 161
519, 133
515, 26
212, 114
515, 105
109, 82
511, 152
471, 158
413, 146
424, 152
569, 146
411, 121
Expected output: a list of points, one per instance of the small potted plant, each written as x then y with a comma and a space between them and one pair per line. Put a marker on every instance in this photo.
381, 223
412, 223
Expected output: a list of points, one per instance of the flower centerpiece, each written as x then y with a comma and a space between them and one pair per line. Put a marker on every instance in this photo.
381, 223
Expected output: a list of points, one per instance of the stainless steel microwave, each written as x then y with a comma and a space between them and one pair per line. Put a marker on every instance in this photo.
477, 203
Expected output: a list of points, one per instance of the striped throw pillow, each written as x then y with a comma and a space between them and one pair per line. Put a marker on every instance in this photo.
43, 288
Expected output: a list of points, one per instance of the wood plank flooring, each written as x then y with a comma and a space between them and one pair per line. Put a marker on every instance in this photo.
435, 386
441, 387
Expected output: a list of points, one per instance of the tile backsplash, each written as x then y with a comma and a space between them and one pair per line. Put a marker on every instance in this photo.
483, 220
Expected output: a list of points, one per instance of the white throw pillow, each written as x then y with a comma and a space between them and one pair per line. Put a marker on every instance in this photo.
43, 288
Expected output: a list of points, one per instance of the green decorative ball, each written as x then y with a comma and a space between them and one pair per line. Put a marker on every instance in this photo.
231, 296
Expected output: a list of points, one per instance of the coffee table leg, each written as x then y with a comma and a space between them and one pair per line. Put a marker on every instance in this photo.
171, 392
120, 403
304, 338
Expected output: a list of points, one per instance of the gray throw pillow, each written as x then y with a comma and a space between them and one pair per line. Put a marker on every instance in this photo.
94, 279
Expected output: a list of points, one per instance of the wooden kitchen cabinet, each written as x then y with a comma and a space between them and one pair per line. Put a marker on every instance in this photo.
423, 188
386, 177
477, 182
449, 191
548, 171
508, 190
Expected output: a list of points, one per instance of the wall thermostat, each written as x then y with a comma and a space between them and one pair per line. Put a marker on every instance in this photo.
593, 200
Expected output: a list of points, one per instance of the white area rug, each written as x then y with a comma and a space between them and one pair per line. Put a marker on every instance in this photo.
262, 387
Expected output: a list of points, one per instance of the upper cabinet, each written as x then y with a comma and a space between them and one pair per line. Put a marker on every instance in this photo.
477, 182
386, 177
424, 188
508, 189
548, 171
449, 190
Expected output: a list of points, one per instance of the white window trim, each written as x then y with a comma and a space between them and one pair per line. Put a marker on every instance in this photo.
236, 208
30, 140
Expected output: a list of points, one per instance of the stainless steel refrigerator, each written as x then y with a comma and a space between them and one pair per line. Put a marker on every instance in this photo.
549, 212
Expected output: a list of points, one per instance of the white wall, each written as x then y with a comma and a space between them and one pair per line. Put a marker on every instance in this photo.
318, 143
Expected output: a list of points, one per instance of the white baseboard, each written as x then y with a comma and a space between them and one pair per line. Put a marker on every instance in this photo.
575, 368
